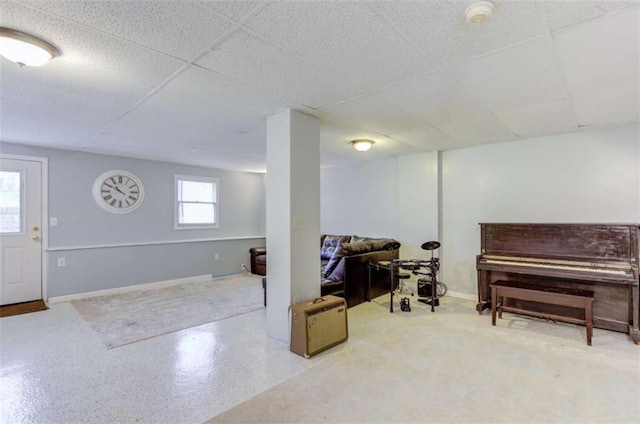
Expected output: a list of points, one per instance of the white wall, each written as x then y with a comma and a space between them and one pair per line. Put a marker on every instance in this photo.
588, 176
394, 197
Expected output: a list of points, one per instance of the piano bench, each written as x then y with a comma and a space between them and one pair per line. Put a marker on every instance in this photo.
574, 298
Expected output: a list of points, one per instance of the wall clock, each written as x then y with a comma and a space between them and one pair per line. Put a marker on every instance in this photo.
118, 191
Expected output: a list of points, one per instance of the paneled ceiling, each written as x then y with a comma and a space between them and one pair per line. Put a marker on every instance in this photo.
194, 81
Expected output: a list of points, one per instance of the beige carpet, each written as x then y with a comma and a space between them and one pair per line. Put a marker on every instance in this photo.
130, 317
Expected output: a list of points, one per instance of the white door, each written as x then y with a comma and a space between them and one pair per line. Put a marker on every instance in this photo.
20, 231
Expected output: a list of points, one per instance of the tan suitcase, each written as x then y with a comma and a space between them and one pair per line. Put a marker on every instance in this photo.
318, 325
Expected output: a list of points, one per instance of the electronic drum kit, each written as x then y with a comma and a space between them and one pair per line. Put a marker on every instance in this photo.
428, 285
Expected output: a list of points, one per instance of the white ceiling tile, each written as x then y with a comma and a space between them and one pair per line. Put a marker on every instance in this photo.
111, 95
371, 114
427, 138
345, 38
138, 21
193, 108
441, 29
518, 75
434, 98
65, 121
611, 104
560, 14
124, 146
540, 119
335, 139
233, 9
252, 60
225, 157
167, 120
479, 128
237, 105
600, 51
163, 121
91, 63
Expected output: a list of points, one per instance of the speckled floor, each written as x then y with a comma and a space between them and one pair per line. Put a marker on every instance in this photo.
448, 366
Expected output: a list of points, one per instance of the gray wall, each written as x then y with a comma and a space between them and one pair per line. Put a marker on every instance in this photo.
85, 233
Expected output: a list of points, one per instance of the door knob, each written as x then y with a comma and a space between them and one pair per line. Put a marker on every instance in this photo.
35, 238
36, 228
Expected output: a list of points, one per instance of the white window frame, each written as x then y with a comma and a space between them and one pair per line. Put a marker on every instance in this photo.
216, 203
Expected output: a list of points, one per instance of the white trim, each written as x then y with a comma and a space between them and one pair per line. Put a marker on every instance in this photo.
461, 295
126, 289
44, 213
150, 243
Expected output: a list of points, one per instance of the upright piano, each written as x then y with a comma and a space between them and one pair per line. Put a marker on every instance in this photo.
598, 257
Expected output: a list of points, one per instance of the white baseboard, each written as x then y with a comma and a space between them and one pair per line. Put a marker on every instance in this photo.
120, 290
461, 295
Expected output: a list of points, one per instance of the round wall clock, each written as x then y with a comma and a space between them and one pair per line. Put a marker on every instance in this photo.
118, 191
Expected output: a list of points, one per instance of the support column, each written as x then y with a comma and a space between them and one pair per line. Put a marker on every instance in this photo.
293, 216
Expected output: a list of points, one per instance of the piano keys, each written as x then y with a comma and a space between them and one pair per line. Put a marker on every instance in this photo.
599, 257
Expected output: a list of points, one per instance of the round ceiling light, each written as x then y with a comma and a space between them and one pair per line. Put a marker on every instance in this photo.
362, 145
25, 49
479, 12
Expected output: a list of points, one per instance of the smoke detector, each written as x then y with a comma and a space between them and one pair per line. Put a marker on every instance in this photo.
479, 12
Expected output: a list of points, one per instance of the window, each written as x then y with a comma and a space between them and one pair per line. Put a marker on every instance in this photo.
196, 202
11, 202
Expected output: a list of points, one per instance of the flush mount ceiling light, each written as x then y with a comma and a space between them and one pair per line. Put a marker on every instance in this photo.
362, 145
25, 49
479, 12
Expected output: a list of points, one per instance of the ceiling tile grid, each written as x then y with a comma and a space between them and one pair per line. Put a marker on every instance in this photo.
126, 146
478, 128
440, 27
249, 59
236, 106
67, 124
225, 157
615, 103
372, 113
537, 119
91, 63
413, 76
561, 14
428, 138
512, 77
601, 63
187, 29
434, 98
600, 51
369, 113
345, 38
232, 9
335, 140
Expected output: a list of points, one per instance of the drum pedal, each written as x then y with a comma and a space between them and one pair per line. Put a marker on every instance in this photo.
404, 305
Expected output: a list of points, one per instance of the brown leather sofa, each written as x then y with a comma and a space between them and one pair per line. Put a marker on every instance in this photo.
258, 260
344, 269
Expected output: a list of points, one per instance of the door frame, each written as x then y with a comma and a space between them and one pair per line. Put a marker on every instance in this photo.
44, 246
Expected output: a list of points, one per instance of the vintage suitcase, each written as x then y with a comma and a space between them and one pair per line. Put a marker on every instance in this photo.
318, 325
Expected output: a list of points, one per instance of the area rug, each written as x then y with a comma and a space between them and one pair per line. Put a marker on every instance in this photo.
120, 319
22, 308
